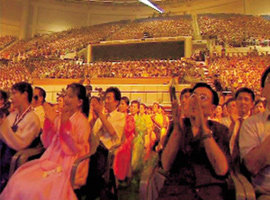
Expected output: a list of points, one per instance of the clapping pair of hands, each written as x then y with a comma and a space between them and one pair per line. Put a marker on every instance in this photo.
195, 113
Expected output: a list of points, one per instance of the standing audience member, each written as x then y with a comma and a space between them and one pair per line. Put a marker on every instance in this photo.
109, 127
196, 156
244, 103
217, 114
254, 143
122, 160
65, 138
232, 112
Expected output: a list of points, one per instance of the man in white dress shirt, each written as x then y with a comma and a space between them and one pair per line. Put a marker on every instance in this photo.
254, 143
244, 102
109, 127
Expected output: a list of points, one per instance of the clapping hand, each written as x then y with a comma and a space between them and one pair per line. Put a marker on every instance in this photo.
97, 106
196, 114
50, 112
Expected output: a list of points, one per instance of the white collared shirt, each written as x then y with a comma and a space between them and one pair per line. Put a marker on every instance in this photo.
117, 120
253, 132
28, 130
39, 110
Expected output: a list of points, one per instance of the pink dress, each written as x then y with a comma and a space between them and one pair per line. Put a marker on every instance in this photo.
122, 159
48, 178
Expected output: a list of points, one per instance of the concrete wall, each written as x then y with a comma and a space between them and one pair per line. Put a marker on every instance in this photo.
10, 17
256, 7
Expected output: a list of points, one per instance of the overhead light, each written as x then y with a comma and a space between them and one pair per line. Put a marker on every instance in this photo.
150, 4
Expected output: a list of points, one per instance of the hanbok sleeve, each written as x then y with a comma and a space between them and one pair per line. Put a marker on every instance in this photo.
48, 133
74, 135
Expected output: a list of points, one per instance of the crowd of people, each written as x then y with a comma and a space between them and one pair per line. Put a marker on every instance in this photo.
211, 131
207, 125
13, 73
186, 71
60, 43
238, 71
140, 126
225, 28
235, 30
231, 72
6, 40
156, 27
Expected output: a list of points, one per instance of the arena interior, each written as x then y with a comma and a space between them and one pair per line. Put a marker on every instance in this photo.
140, 50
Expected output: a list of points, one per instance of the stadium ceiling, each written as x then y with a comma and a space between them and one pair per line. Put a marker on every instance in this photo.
126, 2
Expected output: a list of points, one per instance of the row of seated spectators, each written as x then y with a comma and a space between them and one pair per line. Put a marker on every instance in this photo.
156, 27
232, 72
6, 40
185, 70
234, 29
57, 44
13, 73
235, 72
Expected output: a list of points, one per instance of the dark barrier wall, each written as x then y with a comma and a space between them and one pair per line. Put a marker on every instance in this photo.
137, 51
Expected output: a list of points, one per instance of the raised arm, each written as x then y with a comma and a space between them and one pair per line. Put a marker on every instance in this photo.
254, 152
170, 151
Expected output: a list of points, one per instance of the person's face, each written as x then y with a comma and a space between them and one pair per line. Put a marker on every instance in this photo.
149, 111
205, 98
37, 99
123, 107
231, 108
134, 109
142, 109
110, 102
71, 101
259, 108
18, 98
155, 108
244, 103
266, 89
60, 102
218, 111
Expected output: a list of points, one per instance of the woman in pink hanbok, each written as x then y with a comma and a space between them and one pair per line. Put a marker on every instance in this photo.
65, 137
122, 160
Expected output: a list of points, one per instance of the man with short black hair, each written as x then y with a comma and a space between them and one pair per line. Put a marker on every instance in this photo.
245, 98
109, 127
38, 101
196, 156
244, 102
